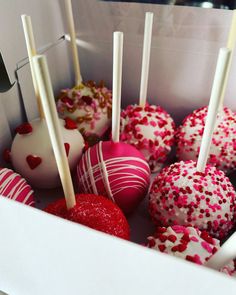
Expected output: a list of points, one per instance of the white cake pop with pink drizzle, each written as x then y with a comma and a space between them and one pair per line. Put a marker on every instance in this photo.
32, 155
223, 148
151, 130
187, 243
14, 187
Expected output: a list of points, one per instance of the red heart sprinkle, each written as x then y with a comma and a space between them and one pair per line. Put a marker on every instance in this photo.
70, 124
67, 147
33, 161
24, 128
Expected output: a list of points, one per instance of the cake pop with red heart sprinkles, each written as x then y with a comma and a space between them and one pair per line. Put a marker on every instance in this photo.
96, 212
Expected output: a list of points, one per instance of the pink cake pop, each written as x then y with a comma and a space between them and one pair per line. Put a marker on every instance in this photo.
222, 151
182, 195
188, 243
114, 169
14, 187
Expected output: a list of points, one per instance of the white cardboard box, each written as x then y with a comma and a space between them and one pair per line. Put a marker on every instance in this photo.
43, 254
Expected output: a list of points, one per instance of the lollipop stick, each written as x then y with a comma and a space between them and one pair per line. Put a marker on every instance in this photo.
49, 107
31, 49
224, 255
116, 86
74, 51
147, 40
213, 108
230, 45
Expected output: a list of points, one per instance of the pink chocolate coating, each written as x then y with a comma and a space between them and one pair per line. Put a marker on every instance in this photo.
14, 187
223, 147
115, 170
151, 130
182, 195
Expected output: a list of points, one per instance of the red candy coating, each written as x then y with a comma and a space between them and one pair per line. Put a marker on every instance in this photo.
94, 211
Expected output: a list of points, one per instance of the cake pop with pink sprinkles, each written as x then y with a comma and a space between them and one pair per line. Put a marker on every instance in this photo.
223, 148
149, 128
187, 243
115, 169
196, 194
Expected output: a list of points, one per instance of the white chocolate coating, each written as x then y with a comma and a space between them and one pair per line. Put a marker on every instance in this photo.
37, 145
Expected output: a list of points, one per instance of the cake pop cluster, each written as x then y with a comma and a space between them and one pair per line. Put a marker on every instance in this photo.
222, 152
89, 105
187, 243
150, 129
182, 195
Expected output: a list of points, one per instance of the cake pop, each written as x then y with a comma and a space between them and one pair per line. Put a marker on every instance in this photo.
88, 104
188, 243
14, 187
115, 169
148, 128
31, 151
32, 155
182, 195
94, 211
197, 194
222, 151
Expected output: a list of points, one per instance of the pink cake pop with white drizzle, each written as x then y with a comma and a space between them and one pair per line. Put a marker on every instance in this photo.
31, 152
187, 243
14, 187
115, 169
148, 128
197, 194
88, 104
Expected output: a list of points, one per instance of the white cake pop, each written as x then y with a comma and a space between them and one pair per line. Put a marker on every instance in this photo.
32, 155
188, 243
89, 105
223, 147
151, 130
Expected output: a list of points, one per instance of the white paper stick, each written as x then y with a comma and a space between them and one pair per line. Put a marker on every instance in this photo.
147, 40
51, 117
213, 108
31, 50
230, 45
116, 85
74, 50
224, 255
